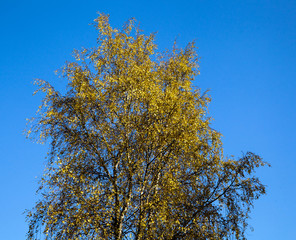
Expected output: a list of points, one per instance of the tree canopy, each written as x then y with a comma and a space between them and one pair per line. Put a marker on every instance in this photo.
132, 152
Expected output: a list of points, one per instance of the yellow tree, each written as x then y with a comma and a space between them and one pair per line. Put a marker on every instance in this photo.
132, 152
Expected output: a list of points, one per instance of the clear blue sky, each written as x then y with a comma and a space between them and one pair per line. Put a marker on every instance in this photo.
248, 58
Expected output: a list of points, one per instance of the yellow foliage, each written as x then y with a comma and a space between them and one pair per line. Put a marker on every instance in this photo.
132, 153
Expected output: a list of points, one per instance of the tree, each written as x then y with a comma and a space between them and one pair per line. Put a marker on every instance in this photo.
132, 152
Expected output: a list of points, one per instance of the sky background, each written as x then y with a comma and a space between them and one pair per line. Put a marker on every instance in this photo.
247, 55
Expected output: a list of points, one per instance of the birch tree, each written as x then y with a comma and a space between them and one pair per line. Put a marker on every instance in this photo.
132, 151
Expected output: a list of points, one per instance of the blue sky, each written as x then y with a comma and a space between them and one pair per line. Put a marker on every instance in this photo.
248, 56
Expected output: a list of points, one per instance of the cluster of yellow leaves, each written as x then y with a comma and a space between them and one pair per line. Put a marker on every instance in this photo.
132, 154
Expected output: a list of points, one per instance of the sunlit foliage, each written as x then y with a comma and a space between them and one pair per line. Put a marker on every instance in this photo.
132, 152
